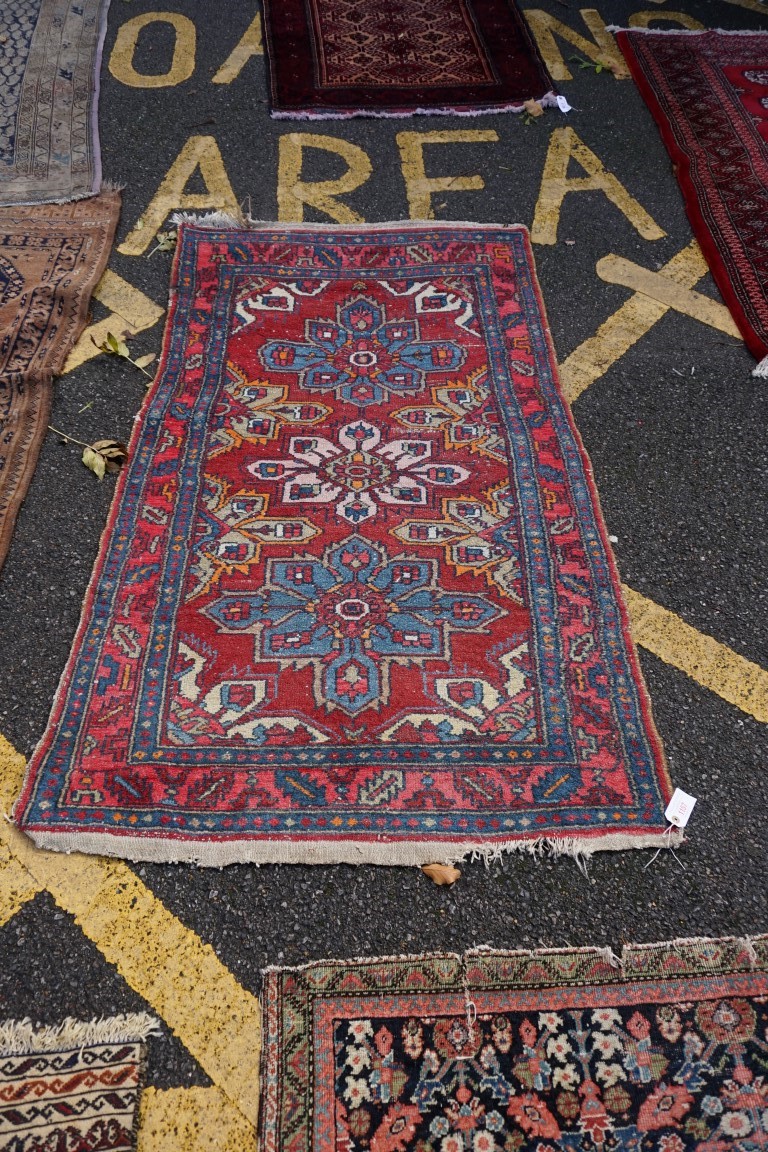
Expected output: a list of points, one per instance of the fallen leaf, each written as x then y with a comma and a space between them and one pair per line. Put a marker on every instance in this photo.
114, 346
113, 453
533, 108
144, 360
95, 461
166, 241
441, 874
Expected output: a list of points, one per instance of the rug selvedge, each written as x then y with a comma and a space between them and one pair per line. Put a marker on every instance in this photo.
358, 651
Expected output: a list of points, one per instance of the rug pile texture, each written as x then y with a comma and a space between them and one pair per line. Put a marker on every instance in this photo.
72, 1087
50, 55
340, 58
50, 261
663, 1050
708, 93
355, 601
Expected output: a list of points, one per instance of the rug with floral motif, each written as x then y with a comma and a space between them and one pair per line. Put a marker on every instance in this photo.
331, 59
662, 1050
355, 601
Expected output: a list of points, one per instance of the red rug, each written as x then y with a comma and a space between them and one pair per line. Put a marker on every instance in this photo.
355, 601
339, 58
575, 1050
708, 93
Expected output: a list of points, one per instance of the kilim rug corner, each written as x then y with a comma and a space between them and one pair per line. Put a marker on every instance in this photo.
573, 1050
50, 262
355, 601
50, 58
72, 1087
708, 93
341, 58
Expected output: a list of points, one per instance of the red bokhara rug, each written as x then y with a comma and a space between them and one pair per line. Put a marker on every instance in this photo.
355, 601
338, 58
562, 1051
708, 93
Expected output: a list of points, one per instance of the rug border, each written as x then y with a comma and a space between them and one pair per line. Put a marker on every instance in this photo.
216, 852
681, 167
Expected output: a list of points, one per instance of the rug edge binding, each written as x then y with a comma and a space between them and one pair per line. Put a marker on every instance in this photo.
696, 947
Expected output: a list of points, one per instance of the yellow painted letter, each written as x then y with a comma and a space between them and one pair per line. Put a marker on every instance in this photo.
199, 152
602, 48
556, 184
182, 65
293, 192
419, 187
249, 45
645, 19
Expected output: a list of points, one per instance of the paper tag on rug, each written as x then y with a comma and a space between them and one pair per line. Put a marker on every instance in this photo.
679, 808
563, 104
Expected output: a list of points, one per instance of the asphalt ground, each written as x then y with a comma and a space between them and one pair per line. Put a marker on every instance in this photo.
675, 429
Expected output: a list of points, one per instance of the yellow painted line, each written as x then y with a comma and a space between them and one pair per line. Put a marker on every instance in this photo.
704, 659
617, 270
16, 885
192, 1120
131, 312
627, 325
181, 978
753, 5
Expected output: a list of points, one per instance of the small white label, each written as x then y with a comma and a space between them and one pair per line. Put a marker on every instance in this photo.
680, 807
563, 104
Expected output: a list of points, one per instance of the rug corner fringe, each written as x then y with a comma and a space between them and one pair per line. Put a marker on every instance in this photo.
22, 1037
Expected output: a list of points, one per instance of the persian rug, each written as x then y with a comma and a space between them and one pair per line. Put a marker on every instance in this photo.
355, 600
708, 93
663, 1050
340, 58
50, 56
50, 262
72, 1087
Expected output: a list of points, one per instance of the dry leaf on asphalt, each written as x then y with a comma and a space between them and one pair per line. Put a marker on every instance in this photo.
104, 456
533, 108
441, 874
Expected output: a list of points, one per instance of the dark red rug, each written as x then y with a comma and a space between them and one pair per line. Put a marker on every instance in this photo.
339, 58
708, 93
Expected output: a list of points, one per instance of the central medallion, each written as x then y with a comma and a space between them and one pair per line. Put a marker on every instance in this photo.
357, 471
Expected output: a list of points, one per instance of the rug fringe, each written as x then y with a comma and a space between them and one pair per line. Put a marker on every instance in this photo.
19, 1037
688, 31
386, 852
548, 100
761, 369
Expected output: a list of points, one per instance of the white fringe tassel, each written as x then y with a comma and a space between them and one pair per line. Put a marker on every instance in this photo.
19, 1037
761, 371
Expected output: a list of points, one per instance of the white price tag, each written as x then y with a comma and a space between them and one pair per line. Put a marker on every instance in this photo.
680, 807
563, 104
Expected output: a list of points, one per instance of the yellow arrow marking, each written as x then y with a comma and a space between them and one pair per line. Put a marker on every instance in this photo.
181, 978
628, 324
131, 311
704, 659
191, 1120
